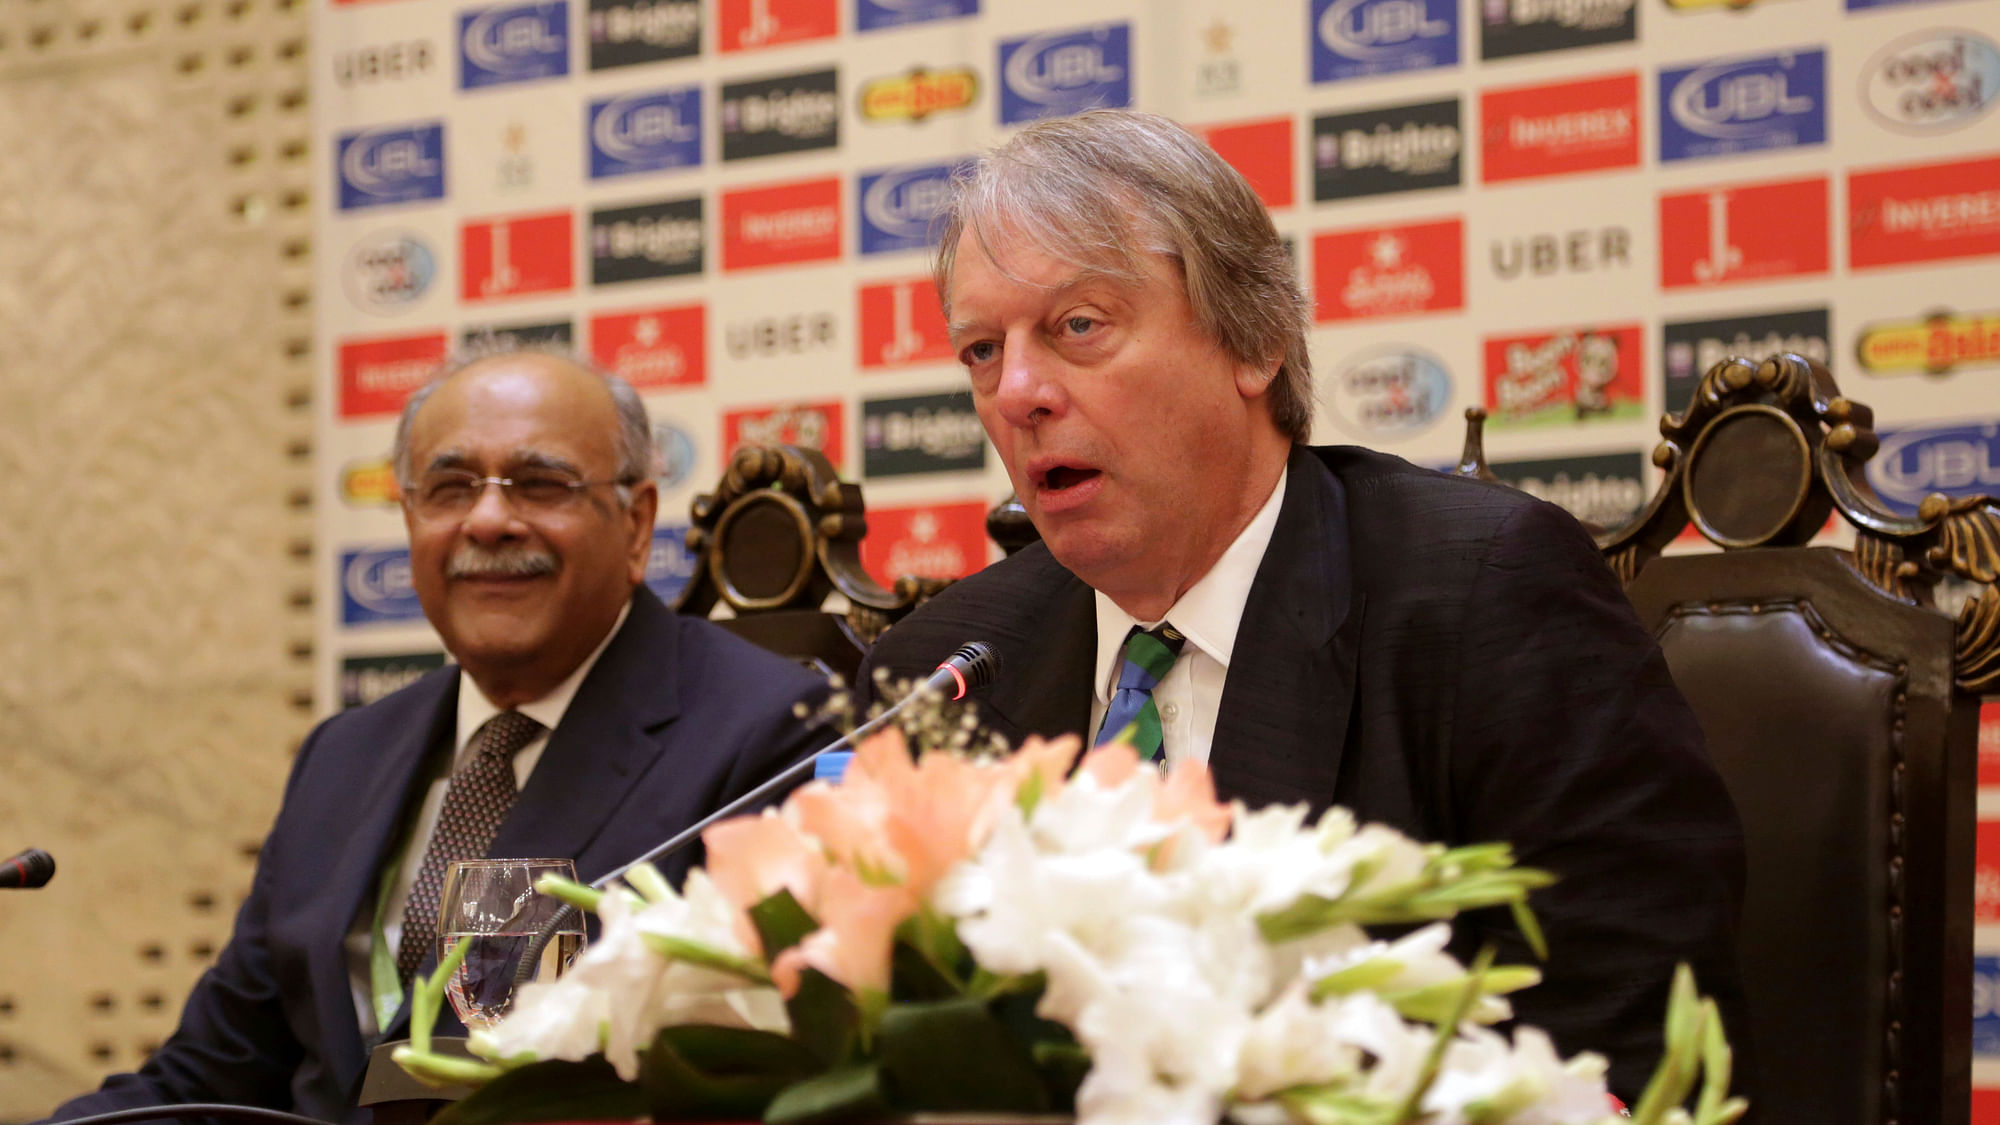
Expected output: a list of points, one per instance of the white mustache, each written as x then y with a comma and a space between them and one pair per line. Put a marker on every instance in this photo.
474, 561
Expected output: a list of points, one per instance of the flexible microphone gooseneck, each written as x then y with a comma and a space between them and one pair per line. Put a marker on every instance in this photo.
970, 669
27, 871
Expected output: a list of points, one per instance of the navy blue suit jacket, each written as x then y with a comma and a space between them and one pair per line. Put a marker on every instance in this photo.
676, 718
1454, 659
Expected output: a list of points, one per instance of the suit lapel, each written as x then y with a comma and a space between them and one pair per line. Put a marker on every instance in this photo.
1045, 678
381, 812
607, 737
1283, 721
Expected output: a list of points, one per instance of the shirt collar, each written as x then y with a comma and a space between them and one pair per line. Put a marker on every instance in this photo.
474, 708
1211, 611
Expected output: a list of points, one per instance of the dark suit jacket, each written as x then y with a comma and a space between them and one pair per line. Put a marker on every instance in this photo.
1453, 659
676, 718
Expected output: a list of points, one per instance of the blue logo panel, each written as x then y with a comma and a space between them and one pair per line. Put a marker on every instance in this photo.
375, 587
1743, 104
644, 131
874, 15
1959, 460
670, 566
513, 43
1863, 5
1364, 38
1986, 1006
1064, 72
898, 204
392, 164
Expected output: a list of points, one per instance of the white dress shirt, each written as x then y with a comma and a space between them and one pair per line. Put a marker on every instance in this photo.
1208, 615
474, 709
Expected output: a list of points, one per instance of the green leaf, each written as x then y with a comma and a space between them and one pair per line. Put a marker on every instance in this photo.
550, 1091
1680, 1062
574, 894
1063, 1066
915, 977
825, 1018
781, 923
847, 1093
444, 1070
1336, 1104
1446, 1029
696, 1071
952, 1055
1435, 1003
1531, 929
428, 998
1368, 974
651, 885
706, 956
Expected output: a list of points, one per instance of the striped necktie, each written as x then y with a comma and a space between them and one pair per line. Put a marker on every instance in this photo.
1148, 656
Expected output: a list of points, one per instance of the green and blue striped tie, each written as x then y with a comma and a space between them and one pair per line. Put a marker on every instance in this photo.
1132, 713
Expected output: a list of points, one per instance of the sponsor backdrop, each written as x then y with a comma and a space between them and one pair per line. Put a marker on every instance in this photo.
1562, 210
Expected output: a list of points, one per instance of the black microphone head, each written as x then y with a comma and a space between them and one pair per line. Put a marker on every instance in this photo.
978, 662
28, 870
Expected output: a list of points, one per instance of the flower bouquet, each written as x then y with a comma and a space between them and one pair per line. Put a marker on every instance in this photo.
952, 932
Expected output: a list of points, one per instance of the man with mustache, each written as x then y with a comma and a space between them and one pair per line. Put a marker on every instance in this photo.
583, 719
1326, 625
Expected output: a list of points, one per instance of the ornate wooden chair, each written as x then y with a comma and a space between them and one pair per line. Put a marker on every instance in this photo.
1839, 705
778, 537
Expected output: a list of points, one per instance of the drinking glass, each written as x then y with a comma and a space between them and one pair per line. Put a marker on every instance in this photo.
493, 904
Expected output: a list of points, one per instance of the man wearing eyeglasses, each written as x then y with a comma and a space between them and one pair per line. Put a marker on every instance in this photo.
583, 720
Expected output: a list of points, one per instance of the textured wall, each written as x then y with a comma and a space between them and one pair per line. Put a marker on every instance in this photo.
155, 641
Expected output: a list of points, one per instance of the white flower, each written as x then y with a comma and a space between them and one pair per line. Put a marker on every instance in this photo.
1291, 1044
1483, 1080
1415, 960
559, 1019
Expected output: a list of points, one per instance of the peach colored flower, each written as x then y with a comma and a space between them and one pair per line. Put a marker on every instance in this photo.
856, 937
1188, 793
751, 858
1049, 759
1110, 765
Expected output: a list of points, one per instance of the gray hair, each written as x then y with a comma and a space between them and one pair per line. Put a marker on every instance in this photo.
1085, 189
637, 456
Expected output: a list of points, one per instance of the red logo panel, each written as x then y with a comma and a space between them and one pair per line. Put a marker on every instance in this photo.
932, 541
1743, 232
1390, 271
1560, 129
517, 256
746, 25
1985, 866
1989, 744
1568, 375
774, 225
653, 349
814, 425
377, 376
1924, 214
1262, 151
902, 324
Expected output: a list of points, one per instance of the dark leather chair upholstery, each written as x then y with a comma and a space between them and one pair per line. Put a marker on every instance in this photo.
774, 543
1840, 706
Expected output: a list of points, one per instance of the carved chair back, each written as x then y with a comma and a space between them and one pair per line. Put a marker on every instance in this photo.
1839, 706
775, 542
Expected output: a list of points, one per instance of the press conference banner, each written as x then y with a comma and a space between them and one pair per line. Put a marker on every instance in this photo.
1562, 210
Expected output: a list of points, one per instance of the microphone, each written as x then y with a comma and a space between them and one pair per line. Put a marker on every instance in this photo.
970, 669
28, 870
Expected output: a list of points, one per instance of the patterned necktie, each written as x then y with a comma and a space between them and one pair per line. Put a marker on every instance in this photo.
1148, 655
475, 803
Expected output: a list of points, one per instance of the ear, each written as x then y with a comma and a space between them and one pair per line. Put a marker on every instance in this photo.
1255, 380
639, 527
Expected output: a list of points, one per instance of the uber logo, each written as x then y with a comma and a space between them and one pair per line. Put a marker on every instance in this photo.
1576, 251
781, 335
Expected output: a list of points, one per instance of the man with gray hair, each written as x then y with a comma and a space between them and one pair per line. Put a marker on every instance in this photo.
583, 720
1326, 625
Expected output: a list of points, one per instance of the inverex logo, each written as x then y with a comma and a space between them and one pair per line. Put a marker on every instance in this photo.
390, 164
1062, 72
1962, 459
898, 204
644, 131
1743, 104
1580, 126
1360, 38
375, 587
513, 43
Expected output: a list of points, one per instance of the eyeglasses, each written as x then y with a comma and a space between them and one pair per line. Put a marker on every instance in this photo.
446, 494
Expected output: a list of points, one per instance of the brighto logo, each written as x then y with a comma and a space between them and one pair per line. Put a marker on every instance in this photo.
1412, 147
793, 113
